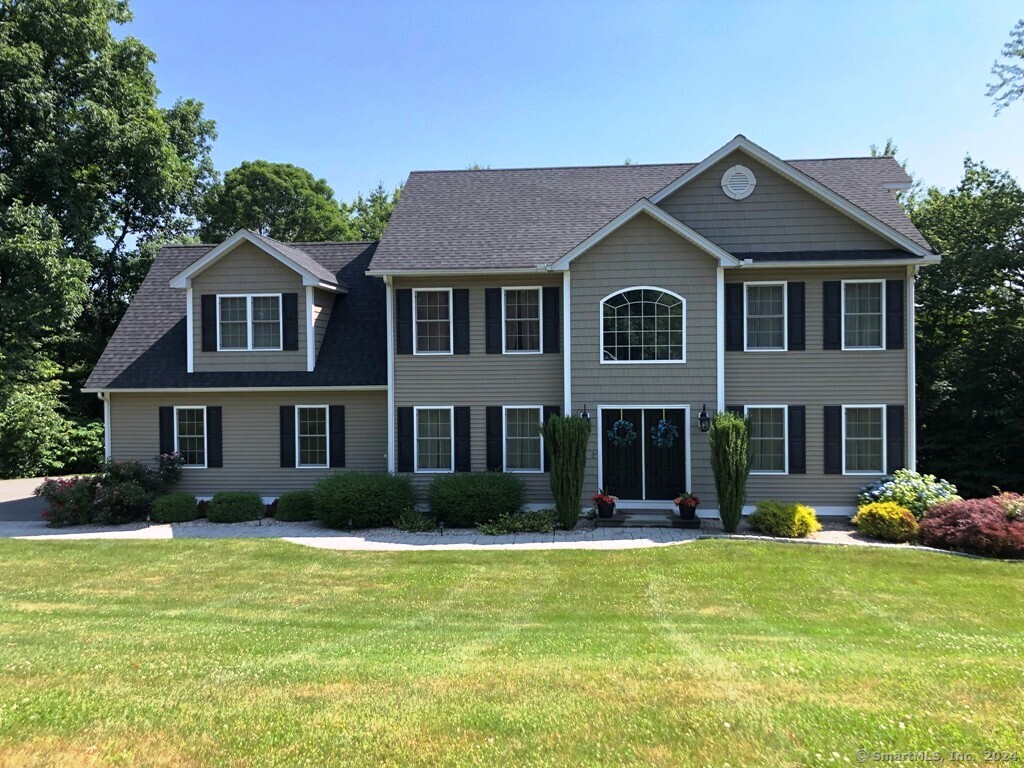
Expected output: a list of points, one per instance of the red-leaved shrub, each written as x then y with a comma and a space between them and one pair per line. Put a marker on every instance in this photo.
980, 526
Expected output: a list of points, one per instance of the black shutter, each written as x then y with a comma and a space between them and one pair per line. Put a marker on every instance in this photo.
403, 321
405, 440
495, 436
832, 308
895, 438
290, 315
463, 462
734, 316
214, 436
737, 409
337, 436
166, 429
552, 312
796, 320
208, 321
797, 440
287, 435
460, 320
833, 439
492, 309
549, 411
894, 310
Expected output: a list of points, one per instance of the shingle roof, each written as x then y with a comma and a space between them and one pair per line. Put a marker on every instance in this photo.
521, 218
147, 351
301, 258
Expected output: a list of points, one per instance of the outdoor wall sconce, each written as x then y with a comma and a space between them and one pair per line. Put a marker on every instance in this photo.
584, 414
703, 419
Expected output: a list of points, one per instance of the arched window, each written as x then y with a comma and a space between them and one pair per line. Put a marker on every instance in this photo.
643, 325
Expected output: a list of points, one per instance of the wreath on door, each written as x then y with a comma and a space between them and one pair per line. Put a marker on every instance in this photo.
664, 434
622, 433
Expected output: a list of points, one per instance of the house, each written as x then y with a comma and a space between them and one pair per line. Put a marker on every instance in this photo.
642, 295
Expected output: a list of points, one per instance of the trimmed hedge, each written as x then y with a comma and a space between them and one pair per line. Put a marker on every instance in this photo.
886, 520
362, 499
178, 507
466, 499
779, 518
989, 527
235, 507
296, 507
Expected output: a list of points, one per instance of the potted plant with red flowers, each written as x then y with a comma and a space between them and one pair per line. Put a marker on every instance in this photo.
687, 503
604, 502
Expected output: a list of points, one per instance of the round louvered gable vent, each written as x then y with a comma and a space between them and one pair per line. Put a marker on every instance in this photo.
738, 182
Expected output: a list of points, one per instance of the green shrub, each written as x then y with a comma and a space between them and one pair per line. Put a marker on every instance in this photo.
235, 507
909, 489
540, 521
464, 499
730, 460
779, 518
414, 521
178, 507
886, 520
70, 501
565, 441
296, 507
361, 499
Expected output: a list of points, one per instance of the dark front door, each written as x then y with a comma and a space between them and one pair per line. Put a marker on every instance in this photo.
622, 465
665, 466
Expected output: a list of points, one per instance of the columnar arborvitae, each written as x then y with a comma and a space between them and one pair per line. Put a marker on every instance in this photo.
565, 439
730, 460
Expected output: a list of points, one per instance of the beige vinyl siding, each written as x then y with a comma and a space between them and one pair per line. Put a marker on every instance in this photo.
478, 379
323, 303
815, 378
251, 436
644, 252
777, 216
247, 269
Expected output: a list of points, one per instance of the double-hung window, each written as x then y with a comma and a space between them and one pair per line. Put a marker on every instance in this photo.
863, 314
190, 434
432, 316
765, 316
311, 430
250, 322
434, 446
521, 309
768, 439
863, 439
524, 444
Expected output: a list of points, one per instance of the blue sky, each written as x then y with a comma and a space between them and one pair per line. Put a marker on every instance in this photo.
366, 92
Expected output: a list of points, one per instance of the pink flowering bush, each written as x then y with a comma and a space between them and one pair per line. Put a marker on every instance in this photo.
71, 501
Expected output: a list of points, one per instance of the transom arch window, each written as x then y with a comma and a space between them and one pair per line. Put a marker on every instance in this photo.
643, 324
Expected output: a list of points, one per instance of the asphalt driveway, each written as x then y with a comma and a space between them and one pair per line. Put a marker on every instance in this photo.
17, 502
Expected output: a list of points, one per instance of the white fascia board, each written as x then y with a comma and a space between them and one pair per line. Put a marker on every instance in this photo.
816, 188
643, 205
308, 278
933, 259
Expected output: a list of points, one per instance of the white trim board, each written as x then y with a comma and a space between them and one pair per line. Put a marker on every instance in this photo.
743, 144
389, 324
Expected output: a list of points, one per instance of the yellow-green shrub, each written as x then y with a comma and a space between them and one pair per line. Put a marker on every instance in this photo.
780, 518
886, 520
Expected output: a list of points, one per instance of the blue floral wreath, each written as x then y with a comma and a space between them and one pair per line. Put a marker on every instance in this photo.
664, 434
622, 433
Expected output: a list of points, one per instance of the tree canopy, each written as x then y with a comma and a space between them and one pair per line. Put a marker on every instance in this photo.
1009, 85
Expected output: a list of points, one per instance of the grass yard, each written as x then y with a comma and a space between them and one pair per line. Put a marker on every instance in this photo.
263, 653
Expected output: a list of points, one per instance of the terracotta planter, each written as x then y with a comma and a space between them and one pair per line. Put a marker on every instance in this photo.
605, 510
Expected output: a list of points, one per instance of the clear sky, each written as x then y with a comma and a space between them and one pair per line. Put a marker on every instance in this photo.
361, 92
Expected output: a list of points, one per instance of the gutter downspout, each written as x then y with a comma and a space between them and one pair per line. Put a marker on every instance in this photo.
105, 397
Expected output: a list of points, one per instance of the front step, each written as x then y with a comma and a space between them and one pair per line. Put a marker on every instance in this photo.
646, 520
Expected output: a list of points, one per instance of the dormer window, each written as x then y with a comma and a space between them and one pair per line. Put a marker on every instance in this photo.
249, 322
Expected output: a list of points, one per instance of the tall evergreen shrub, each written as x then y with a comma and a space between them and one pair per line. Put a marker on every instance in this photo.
730, 461
565, 440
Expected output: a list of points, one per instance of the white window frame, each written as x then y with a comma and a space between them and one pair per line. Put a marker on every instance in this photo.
249, 321
298, 454
785, 436
885, 440
206, 435
540, 321
451, 321
785, 316
416, 439
504, 439
600, 328
842, 310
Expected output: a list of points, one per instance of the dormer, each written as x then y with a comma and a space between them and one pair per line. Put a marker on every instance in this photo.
255, 304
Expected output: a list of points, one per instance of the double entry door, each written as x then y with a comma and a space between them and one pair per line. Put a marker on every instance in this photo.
647, 466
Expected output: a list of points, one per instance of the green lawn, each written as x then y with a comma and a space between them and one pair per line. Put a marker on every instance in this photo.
261, 653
